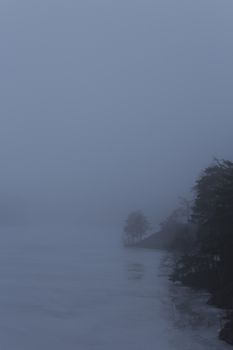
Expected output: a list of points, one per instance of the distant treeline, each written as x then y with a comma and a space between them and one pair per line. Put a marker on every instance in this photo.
200, 233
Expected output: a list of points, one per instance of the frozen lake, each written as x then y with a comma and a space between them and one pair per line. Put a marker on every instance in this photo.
69, 288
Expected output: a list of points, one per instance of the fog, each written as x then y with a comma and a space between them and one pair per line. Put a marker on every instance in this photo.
112, 105
109, 107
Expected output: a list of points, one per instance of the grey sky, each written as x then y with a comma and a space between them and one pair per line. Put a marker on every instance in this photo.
109, 106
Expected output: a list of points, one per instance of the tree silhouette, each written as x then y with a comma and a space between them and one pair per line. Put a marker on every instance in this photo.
136, 227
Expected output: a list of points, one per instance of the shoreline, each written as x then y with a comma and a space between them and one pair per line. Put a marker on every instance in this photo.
220, 299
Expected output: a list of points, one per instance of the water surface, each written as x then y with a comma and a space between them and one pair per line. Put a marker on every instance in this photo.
78, 288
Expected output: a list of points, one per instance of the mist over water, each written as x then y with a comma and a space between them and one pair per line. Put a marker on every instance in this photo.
69, 288
106, 107
111, 106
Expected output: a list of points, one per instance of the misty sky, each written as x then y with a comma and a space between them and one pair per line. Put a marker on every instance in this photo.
108, 106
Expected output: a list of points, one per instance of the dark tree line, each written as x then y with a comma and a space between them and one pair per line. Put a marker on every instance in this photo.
209, 263
200, 233
212, 214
